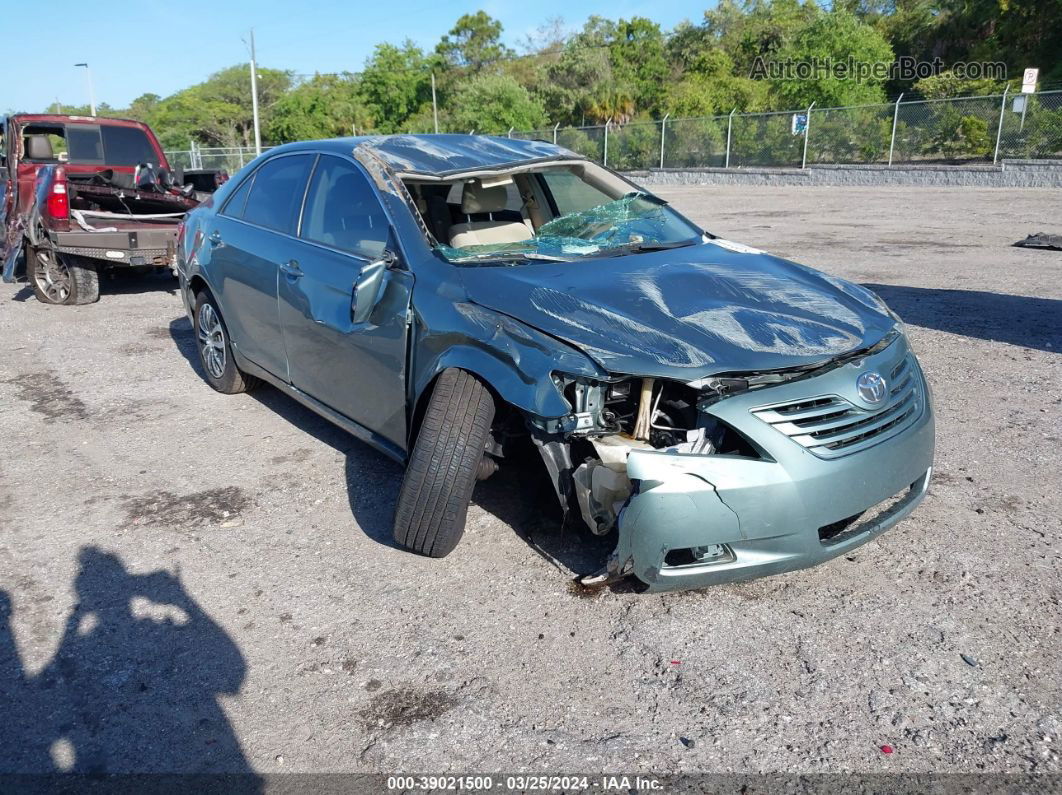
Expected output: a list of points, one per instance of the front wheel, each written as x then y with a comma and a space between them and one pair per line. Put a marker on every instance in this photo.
215, 352
440, 476
61, 278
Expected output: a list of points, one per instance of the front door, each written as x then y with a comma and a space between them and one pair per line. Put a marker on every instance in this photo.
252, 237
358, 369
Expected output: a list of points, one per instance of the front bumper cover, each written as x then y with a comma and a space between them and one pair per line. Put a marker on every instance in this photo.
768, 512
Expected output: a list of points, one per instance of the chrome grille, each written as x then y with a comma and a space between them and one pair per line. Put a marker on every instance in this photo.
831, 426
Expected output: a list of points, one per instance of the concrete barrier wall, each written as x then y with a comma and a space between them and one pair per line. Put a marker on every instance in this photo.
1009, 174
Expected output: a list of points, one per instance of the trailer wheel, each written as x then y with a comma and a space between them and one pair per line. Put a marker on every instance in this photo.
61, 278
440, 476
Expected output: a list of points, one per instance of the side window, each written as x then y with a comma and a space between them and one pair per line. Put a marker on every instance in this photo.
342, 210
570, 193
238, 200
277, 193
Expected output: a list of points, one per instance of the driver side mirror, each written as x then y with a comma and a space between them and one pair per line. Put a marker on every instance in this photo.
368, 287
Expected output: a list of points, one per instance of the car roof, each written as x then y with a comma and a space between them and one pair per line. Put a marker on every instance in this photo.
57, 118
442, 154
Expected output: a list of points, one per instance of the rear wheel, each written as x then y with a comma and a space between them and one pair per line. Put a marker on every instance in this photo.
433, 501
61, 278
215, 352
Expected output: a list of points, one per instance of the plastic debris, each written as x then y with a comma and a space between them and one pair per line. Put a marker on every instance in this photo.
966, 658
887, 749
686, 741
1042, 240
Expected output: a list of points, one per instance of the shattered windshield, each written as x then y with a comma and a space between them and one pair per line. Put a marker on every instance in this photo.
506, 220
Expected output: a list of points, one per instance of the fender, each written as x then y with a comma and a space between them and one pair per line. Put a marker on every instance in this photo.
513, 359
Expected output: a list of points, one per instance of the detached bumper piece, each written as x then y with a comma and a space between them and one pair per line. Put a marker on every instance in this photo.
698, 520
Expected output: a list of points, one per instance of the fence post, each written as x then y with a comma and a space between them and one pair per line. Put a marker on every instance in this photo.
555, 127
729, 124
807, 132
510, 133
895, 116
663, 130
999, 130
605, 158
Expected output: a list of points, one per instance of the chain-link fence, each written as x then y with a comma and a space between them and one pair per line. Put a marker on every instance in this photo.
220, 158
958, 130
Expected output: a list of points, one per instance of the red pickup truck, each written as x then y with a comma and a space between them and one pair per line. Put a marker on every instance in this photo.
85, 194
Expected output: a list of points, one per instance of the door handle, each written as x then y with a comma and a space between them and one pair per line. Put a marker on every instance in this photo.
291, 269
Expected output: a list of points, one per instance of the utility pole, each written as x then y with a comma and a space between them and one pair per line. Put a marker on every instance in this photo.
92, 93
254, 100
434, 105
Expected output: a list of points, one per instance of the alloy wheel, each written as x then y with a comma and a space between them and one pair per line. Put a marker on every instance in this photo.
52, 276
212, 341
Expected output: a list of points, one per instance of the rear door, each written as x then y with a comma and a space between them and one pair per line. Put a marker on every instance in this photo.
358, 369
252, 235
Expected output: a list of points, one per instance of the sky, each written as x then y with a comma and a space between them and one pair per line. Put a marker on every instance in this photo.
150, 46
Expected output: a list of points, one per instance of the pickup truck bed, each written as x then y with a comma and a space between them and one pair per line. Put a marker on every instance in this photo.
106, 199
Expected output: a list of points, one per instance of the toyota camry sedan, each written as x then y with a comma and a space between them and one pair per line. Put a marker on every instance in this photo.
721, 413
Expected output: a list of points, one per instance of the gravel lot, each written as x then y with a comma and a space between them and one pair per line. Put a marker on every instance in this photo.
196, 582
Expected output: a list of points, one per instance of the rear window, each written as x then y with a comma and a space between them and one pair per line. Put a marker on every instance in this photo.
109, 145
127, 146
84, 144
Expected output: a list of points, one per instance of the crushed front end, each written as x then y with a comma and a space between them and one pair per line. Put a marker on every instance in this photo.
744, 476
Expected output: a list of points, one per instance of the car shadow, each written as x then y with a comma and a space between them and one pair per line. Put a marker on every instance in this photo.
1027, 321
121, 282
133, 686
519, 494
126, 281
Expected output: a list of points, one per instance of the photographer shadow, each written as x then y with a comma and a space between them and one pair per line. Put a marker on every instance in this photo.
133, 686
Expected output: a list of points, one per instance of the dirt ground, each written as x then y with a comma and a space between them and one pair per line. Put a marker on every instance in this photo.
195, 582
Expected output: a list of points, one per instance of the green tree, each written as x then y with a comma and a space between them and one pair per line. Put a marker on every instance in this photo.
326, 106
710, 86
639, 62
494, 103
473, 43
218, 111
395, 83
833, 37
948, 84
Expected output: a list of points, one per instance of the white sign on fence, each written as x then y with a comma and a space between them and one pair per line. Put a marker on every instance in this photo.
1028, 81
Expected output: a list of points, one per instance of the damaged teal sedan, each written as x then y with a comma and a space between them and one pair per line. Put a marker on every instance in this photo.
723, 413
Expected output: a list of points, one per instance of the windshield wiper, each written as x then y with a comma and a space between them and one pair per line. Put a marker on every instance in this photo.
644, 246
509, 256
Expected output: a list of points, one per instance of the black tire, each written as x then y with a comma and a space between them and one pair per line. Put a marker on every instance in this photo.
215, 352
61, 279
436, 489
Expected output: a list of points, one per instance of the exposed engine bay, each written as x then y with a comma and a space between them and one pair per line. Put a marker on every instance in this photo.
586, 451
609, 420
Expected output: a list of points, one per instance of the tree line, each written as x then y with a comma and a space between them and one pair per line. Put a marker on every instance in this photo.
619, 70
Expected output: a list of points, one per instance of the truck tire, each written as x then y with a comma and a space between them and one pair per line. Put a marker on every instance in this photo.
440, 476
61, 278
215, 352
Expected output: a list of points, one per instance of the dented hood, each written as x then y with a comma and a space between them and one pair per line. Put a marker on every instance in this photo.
687, 313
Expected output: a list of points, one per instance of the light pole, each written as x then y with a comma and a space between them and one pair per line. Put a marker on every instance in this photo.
254, 100
92, 94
